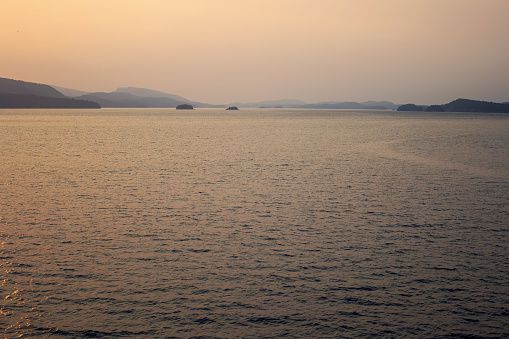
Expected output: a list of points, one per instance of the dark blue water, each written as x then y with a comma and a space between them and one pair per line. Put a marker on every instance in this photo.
253, 224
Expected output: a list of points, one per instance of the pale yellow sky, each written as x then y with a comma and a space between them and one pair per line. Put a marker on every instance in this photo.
220, 51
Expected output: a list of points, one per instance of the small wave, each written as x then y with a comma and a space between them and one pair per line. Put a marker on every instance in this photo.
99, 334
351, 288
267, 320
204, 320
198, 250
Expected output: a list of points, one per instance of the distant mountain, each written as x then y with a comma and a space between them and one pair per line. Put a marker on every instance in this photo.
386, 104
460, 105
288, 103
149, 93
68, 92
22, 94
153, 98
11, 86
350, 105
292, 103
334, 105
126, 100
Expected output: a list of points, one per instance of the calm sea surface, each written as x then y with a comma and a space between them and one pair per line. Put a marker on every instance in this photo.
153, 223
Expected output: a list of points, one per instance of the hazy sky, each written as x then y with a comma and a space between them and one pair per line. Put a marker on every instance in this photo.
220, 51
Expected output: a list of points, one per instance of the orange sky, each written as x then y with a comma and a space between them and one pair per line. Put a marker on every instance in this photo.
220, 51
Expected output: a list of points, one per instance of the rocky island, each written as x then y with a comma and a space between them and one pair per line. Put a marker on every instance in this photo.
185, 106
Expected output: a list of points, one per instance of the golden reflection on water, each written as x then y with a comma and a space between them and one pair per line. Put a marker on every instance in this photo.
17, 309
240, 223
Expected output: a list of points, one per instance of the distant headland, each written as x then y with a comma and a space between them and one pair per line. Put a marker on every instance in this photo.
21, 94
459, 105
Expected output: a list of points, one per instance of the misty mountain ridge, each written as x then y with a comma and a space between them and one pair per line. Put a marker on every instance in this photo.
136, 97
384, 103
352, 105
289, 103
149, 93
294, 103
69, 92
22, 94
140, 92
126, 100
133, 97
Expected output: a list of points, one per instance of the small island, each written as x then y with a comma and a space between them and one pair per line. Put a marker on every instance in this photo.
232, 108
185, 106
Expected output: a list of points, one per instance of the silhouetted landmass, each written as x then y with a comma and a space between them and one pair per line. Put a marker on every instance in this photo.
334, 105
350, 105
149, 93
126, 100
434, 108
33, 101
232, 108
11, 86
287, 103
384, 104
410, 108
134, 97
69, 92
460, 105
466, 105
121, 99
22, 94
151, 97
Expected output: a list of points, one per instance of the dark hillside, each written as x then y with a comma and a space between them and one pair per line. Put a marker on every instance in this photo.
22, 87
466, 105
460, 105
34, 101
410, 108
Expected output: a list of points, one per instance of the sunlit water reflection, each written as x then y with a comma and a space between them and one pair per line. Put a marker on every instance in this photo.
256, 223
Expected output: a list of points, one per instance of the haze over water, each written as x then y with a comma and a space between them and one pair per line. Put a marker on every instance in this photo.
224, 51
156, 223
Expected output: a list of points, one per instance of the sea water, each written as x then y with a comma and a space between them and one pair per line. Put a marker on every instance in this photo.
261, 223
